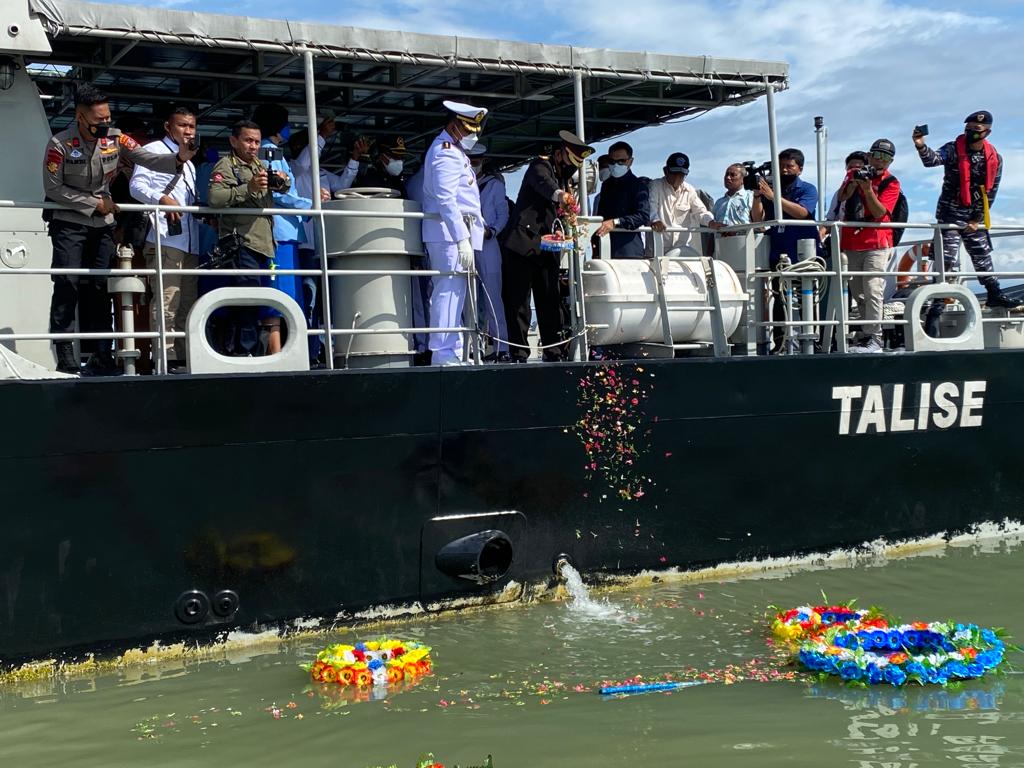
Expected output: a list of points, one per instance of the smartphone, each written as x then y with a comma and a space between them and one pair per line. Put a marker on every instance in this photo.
193, 145
921, 129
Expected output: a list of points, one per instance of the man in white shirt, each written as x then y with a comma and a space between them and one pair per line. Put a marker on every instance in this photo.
179, 235
675, 203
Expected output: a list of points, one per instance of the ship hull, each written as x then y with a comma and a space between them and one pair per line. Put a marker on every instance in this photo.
323, 494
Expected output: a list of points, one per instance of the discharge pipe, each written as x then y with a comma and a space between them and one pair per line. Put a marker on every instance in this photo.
482, 558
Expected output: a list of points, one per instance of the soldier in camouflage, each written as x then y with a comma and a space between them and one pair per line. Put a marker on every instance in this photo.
973, 170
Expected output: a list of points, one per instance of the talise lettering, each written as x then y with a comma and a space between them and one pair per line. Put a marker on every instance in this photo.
880, 408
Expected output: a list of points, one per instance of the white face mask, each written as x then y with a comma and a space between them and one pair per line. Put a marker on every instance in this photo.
469, 141
394, 167
618, 171
604, 173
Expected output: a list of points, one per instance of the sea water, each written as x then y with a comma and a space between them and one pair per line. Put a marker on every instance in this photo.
520, 684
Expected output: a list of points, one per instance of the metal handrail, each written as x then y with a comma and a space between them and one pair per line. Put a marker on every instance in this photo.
163, 334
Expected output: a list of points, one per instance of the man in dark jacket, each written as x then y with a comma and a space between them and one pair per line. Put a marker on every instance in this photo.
386, 171
624, 204
525, 266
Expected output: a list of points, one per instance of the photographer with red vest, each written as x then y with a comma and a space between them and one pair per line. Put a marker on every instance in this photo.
973, 170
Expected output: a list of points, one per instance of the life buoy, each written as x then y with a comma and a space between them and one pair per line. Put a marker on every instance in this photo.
919, 252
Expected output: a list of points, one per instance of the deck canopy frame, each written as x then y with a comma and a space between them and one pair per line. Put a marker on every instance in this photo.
376, 82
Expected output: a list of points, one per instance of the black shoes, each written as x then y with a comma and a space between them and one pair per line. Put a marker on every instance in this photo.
1001, 300
67, 362
503, 357
102, 363
422, 358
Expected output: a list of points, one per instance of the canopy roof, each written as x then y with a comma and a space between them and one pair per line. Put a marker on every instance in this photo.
377, 82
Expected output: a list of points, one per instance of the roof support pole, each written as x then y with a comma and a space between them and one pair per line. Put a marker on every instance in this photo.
314, 168
579, 348
773, 141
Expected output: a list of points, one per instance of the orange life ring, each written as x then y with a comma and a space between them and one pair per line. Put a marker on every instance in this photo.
920, 251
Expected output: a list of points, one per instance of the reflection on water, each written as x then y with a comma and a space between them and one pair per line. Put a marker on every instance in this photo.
520, 684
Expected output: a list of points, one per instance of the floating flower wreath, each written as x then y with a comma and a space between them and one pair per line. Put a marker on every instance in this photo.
922, 652
810, 622
375, 663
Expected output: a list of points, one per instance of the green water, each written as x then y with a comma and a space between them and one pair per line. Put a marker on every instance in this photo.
518, 684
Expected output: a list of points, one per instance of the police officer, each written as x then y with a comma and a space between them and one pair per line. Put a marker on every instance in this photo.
78, 166
973, 170
239, 180
525, 266
450, 190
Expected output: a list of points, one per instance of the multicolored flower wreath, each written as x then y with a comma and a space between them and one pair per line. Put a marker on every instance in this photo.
922, 652
810, 622
378, 662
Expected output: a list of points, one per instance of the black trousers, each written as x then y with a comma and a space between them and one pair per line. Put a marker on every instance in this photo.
519, 276
76, 246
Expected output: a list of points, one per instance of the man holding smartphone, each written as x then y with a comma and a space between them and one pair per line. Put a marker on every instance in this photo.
179, 238
973, 170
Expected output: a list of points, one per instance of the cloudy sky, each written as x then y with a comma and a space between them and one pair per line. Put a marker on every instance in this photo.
873, 69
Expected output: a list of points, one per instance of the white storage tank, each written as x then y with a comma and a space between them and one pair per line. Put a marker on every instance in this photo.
622, 295
379, 302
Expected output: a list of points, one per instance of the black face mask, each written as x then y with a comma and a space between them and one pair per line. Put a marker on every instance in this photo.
98, 131
787, 180
973, 136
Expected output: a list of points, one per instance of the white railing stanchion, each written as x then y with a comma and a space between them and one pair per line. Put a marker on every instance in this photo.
842, 293
161, 357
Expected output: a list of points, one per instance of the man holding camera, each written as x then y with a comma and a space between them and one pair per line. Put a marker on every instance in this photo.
289, 233
239, 180
78, 165
869, 194
179, 238
973, 170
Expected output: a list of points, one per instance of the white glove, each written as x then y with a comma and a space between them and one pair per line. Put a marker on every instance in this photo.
466, 256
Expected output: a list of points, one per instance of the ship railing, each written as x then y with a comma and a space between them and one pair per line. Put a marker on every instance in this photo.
162, 335
838, 322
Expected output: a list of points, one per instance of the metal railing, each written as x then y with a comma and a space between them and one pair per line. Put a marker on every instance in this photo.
163, 334
756, 282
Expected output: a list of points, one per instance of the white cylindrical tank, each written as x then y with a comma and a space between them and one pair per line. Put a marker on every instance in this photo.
621, 294
379, 302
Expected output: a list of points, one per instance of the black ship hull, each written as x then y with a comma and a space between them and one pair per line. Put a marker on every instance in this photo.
323, 494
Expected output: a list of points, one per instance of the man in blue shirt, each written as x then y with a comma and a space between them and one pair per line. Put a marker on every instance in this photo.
799, 199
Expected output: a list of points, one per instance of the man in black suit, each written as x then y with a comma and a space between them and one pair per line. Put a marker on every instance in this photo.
624, 204
525, 266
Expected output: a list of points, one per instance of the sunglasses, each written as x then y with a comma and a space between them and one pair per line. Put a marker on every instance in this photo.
881, 156
619, 162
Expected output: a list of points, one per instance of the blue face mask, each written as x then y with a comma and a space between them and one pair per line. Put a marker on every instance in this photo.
286, 132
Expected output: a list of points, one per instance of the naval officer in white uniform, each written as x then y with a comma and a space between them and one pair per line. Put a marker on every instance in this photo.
450, 190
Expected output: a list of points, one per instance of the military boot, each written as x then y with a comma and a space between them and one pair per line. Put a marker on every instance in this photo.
101, 363
996, 298
66, 360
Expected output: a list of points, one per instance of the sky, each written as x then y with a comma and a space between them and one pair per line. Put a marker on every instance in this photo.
872, 69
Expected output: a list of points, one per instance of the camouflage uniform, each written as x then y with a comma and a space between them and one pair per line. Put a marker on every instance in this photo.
950, 209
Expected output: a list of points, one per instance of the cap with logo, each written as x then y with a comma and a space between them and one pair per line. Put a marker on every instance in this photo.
478, 150
677, 163
885, 147
471, 118
984, 117
577, 149
392, 145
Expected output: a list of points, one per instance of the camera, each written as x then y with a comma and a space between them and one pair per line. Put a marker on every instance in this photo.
224, 254
753, 173
867, 173
274, 182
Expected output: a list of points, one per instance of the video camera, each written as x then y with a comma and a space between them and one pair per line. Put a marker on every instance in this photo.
753, 173
274, 182
224, 254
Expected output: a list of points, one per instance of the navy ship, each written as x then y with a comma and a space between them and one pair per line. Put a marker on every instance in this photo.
186, 508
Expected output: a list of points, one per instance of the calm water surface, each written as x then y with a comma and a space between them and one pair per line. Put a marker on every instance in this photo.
519, 684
